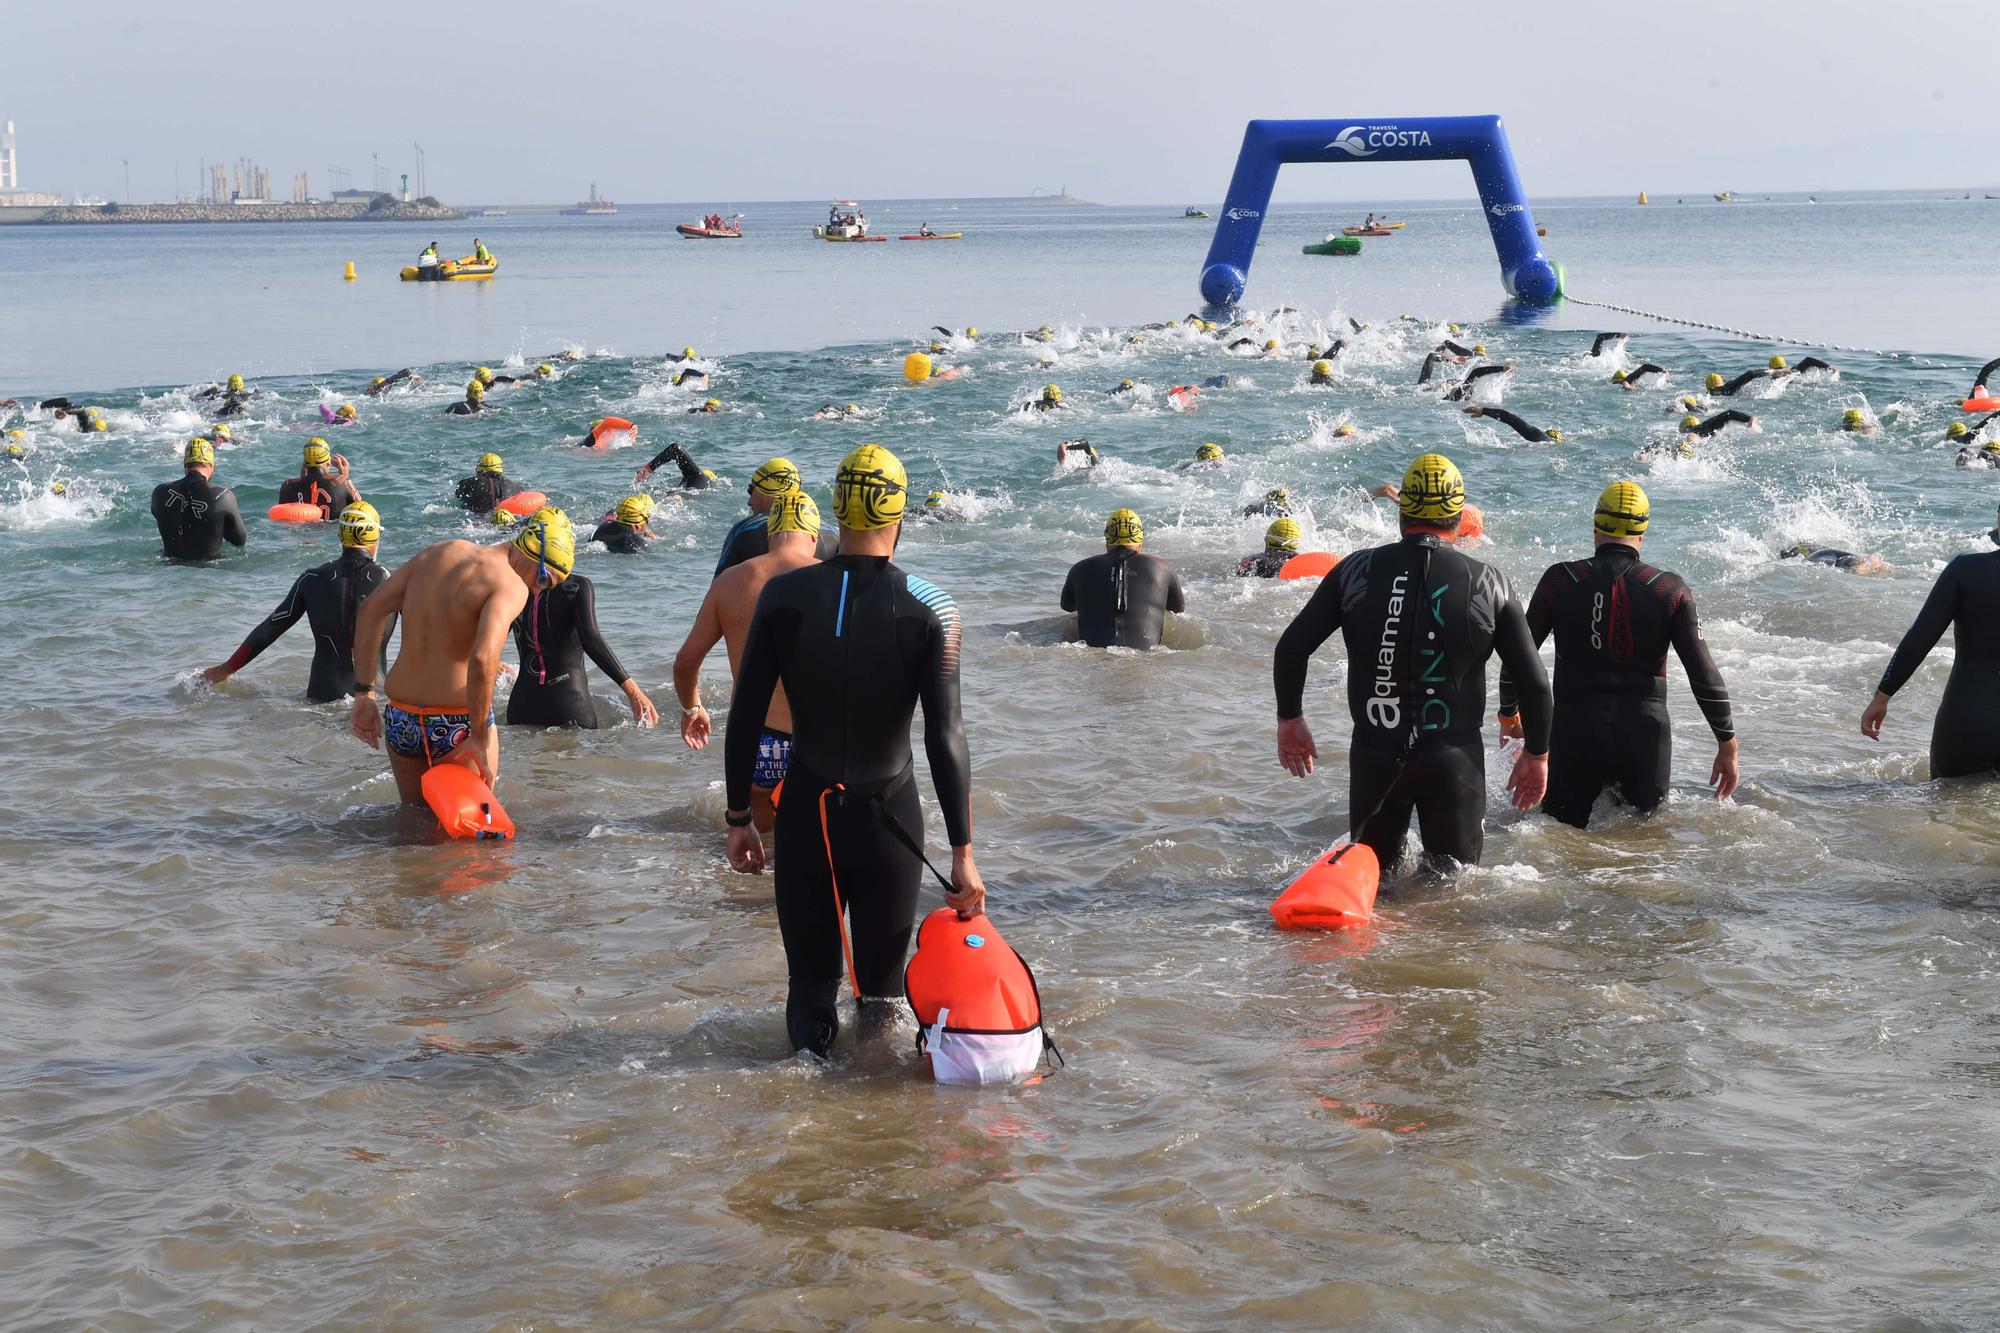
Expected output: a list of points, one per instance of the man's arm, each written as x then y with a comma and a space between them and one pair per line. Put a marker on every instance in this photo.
1736, 384
702, 637
482, 665
1301, 639
772, 626
1924, 631
1732, 417
1069, 590
1176, 599
1704, 677
265, 634
1508, 419
233, 530
1986, 373
1521, 659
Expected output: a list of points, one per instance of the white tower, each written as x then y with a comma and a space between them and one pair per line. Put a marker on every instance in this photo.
10, 174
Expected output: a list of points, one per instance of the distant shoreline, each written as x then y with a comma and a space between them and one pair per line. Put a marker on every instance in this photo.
159, 214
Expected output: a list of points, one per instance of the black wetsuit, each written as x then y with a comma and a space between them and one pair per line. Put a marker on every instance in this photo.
1520, 427
1419, 620
196, 516
1267, 509
1965, 738
1084, 447
750, 537
1614, 619
1459, 390
1823, 555
687, 375
330, 597
1431, 363
619, 538
482, 493
1735, 385
1597, 343
1985, 374
1216, 382
1732, 417
552, 634
1454, 348
58, 405
692, 477
1121, 598
390, 381
1648, 369
1263, 565
235, 405
857, 643
317, 487
1731, 387
1041, 405
466, 407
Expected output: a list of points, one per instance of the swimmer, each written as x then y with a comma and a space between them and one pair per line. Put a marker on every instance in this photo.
1085, 448
687, 354
941, 508
698, 378
1776, 370
86, 419
234, 387
1277, 503
1121, 598
858, 644
1701, 430
1418, 701
1322, 374
1604, 340
1986, 455
1965, 737
1629, 379
1846, 561
330, 596
345, 415
474, 401
833, 412
483, 491
748, 538
567, 354
381, 384
194, 515
1614, 617
1471, 521
792, 539
457, 601
332, 491
1123, 387
1985, 374
552, 636
1458, 391
1050, 401
1206, 455
1451, 351
694, 477
1533, 434
1215, 382
626, 529
1281, 543
708, 408
1856, 421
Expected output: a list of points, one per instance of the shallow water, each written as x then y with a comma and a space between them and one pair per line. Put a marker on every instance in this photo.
278, 1058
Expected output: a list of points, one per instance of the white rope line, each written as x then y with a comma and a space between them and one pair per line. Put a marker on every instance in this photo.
1746, 333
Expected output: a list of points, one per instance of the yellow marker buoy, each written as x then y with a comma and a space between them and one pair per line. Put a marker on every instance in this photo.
1642, 197
349, 275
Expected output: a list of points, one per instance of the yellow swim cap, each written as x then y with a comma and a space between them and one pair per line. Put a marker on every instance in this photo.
1433, 490
549, 539
634, 510
18, 434
1554, 434
1690, 421
1479, 349
222, 432
199, 453
775, 476
712, 405
869, 489
794, 512
377, 382
935, 500
489, 465
545, 370
1282, 535
1451, 328
1278, 495
14, 450
1690, 402
474, 389
1618, 377
1623, 510
1715, 379
936, 346
1123, 528
1209, 452
687, 354
1777, 363
1853, 419
971, 332
318, 452
503, 518
1343, 430
1126, 384
1956, 431
853, 407
58, 488
1322, 370
94, 420
360, 525
483, 375
1270, 344
345, 412
1052, 393
236, 383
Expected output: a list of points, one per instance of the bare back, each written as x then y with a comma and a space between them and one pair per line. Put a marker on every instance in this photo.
735, 593
447, 590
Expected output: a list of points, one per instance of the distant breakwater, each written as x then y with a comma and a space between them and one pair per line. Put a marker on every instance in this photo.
122, 213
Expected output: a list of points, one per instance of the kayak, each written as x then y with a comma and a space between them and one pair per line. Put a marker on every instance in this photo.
1364, 231
1335, 245
854, 238
934, 236
452, 270
694, 233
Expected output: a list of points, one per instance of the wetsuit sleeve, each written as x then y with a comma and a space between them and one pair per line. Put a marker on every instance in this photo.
1541, 619
1430, 364
691, 476
673, 453
1985, 373
233, 530
773, 626
1312, 627
1449, 346
1924, 631
1812, 363
944, 727
1732, 417
592, 638
1597, 343
1521, 661
1521, 428
1703, 677
1648, 369
1176, 599
1733, 385
1068, 592
270, 627
1479, 372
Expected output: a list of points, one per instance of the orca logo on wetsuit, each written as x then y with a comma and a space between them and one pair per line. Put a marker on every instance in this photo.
1597, 621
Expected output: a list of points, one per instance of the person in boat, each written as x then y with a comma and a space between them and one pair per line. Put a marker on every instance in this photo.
925, 230
323, 481
1533, 434
480, 254
483, 491
429, 258
1281, 543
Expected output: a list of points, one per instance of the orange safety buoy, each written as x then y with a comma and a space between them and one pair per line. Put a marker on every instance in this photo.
1335, 892
464, 805
975, 1000
523, 503
601, 431
1309, 565
297, 512
1980, 401
1471, 523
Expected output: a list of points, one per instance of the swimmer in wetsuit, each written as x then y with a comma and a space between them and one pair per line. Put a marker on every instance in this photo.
1206, 456
708, 408
1986, 455
1856, 421
1845, 561
698, 378
344, 415
1083, 447
1419, 620
483, 491
194, 515
1281, 543
1121, 598
694, 477
749, 536
330, 597
1124, 387
1322, 374
1277, 503
383, 383
792, 533
687, 354
1776, 370
1629, 379
942, 508
1459, 391
473, 403
1533, 434
834, 412
625, 530
1701, 430
1603, 340
1614, 617
552, 635
1050, 401
87, 419
1965, 738
857, 644
332, 491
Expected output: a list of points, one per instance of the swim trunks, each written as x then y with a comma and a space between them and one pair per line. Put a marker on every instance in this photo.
774, 759
428, 734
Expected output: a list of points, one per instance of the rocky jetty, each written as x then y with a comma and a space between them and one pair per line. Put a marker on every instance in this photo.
383, 209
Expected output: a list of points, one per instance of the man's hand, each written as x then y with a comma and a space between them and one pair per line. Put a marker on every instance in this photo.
215, 675
1529, 781
472, 753
1475, 411
695, 728
1510, 728
1725, 775
1295, 746
643, 711
639, 477
968, 890
365, 721
746, 850
340, 465
1873, 716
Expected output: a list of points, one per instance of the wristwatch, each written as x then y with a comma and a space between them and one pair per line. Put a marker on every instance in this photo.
735, 820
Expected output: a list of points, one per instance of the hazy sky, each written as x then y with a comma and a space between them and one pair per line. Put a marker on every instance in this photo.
734, 100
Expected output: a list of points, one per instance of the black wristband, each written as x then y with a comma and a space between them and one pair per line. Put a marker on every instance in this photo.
736, 821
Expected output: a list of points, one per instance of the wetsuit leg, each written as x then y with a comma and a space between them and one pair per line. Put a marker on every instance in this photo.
1373, 783
1965, 738
532, 705
1642, 753
1450, 790
1575, 778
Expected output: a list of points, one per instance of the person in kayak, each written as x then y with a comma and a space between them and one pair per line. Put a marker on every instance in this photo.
330, 597
625, 530
381, 384
1614, 618
858, 644
694, 477
1532, 434
1082, 448
1277, 503
1419, 619
1050, 401
552, 636
195, 516
1121, 598
473, 403
1845, 561
1281, 543
323, 480
792, 534
483, 491
1965, 736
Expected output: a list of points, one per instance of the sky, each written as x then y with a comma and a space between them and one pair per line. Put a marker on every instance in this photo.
744, 100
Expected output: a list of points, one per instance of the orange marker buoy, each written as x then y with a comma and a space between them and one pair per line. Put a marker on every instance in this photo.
1309, 565
523, 503
1335, 892
1471, 523
601, 431
464, 806
1980, 401
298, 512
976, 1001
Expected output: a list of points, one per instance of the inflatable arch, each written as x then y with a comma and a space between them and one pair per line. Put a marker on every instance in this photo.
1479, 141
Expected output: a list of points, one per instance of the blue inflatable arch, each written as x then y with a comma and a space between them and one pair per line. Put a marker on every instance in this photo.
1479, 141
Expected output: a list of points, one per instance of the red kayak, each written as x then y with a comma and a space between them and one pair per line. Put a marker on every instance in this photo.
935, 236
694, 233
